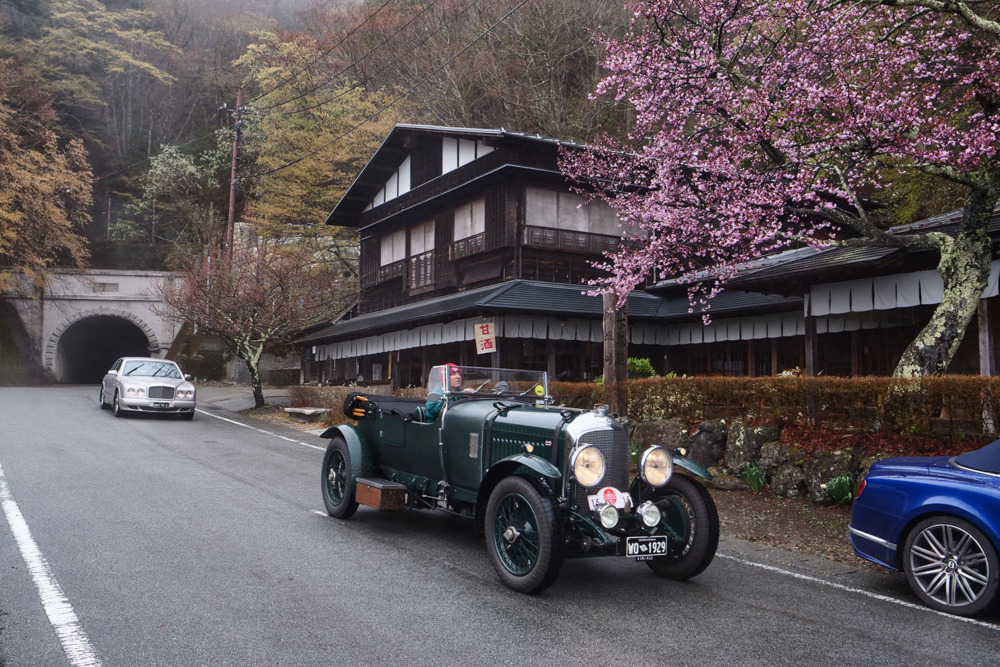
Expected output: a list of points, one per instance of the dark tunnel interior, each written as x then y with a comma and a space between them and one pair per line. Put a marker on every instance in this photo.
88, 348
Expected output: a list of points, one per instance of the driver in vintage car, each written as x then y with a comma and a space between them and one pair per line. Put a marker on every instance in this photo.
435, 400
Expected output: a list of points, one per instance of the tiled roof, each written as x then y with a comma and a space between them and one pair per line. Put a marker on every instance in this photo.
528, 296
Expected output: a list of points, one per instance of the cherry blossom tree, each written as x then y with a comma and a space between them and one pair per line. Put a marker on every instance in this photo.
260, 299
763, 124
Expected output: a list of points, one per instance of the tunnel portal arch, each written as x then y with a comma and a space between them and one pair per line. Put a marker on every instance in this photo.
81, 350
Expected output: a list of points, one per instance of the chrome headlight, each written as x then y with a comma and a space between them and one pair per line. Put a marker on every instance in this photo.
133, 391
656, 466
608, 515
588, 465
186, 393
650, 513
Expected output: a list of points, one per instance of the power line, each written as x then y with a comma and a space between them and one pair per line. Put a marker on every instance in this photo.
359, 84
394, 100
353, 64
324, 54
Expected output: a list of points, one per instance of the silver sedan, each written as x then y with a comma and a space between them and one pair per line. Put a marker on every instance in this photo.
145, 385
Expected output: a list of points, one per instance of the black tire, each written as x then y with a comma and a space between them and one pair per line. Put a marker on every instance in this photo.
187, 416
116, 406
951, 565
100, 398
689, 513
523, 538
338, 481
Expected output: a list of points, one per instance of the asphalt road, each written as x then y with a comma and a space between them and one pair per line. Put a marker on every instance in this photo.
151, 542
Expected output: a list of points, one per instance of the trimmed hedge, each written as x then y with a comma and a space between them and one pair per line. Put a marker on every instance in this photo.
952, 405
956, 406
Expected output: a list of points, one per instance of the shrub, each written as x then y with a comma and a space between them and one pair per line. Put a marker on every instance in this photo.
639, 369
841, 489
754, 476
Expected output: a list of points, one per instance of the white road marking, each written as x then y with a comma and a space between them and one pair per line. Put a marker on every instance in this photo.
260, 430
71, 635
858, 591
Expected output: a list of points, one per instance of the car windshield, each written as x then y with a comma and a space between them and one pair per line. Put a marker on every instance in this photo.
157, 369
453, 380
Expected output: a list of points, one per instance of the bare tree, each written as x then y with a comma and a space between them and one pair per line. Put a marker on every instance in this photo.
260, 299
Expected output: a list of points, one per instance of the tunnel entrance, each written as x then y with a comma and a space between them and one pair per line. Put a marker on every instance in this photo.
88, 348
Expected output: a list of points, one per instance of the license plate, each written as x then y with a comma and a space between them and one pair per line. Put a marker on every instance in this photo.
646, 547
161, 405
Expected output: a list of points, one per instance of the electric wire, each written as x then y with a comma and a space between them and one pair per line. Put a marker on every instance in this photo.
353, 64
324, 54
359, 84
378, 111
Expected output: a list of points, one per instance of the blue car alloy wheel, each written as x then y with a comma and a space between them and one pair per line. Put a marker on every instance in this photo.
951, 565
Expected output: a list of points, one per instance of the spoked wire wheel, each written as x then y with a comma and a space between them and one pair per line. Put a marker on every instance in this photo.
338, 481
951, 565
523, 538
515, 532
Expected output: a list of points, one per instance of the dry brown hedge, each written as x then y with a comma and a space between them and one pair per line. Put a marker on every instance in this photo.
949, 406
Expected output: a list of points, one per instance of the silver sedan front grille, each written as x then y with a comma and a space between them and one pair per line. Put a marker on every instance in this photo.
160, 392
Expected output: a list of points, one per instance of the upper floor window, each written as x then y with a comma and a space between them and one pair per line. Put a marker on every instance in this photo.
568, 211
393, 248
470, 219
422, 238
457, 152
398, 184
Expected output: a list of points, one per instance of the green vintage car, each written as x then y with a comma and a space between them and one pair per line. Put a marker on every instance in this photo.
542, 482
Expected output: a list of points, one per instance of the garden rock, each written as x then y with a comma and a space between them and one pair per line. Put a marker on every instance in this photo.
743, 443
774, 455
726, 482
823, 467
707, 445
668, 433
789, 481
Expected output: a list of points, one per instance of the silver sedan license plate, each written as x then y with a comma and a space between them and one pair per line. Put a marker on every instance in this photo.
161, 405
646, 547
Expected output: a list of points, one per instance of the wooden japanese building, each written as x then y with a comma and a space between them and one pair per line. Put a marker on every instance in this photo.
462, 226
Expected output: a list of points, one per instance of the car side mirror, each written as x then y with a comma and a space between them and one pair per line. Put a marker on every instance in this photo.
188, 377
112, 372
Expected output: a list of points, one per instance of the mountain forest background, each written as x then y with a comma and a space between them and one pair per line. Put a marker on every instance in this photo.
117, 116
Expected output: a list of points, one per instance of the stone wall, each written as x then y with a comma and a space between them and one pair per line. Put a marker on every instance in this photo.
728, 447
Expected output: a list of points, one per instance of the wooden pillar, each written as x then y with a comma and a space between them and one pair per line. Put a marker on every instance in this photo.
812, 347
774, 356
987, 343
751, 359
855, 354
550, 358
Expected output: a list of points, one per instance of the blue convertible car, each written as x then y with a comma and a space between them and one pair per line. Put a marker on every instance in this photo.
937, 519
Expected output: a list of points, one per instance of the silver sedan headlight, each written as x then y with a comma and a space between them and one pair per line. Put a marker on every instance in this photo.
185, 393
136, 391
656, 466
588, 465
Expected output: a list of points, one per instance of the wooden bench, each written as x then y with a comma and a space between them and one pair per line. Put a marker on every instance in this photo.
305, 414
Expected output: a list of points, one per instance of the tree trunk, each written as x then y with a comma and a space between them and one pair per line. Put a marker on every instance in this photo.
965, 270
255, 384
616, 354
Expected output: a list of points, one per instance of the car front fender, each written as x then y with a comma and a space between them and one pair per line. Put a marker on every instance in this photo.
360, 452
691, 466
535, 464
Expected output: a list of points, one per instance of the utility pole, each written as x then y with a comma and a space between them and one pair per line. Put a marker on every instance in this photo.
237, 127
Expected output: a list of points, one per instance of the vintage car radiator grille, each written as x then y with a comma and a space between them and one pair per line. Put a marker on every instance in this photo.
614, 444
160, 392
